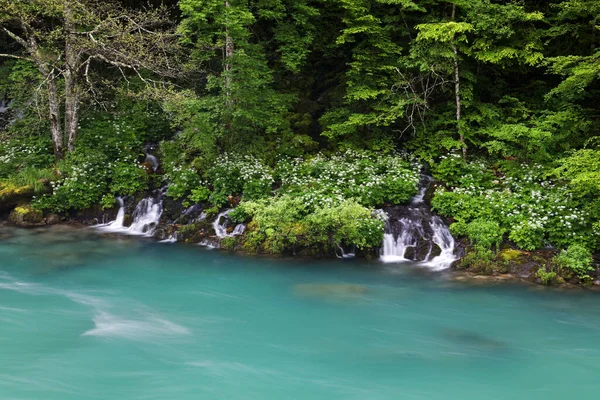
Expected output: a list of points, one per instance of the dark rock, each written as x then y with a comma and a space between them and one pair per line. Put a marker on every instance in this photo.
127, 220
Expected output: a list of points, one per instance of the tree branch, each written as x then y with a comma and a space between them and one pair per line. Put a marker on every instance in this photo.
16, 37
15, 56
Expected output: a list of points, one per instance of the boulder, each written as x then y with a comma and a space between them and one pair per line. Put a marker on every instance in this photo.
26, 216
11, 195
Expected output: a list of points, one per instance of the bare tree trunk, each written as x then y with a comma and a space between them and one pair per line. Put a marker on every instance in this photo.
70, 74
71, 110
55, 127
53, 100
457, 92
228, 55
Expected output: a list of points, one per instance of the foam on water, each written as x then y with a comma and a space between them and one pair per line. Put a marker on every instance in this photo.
110, 325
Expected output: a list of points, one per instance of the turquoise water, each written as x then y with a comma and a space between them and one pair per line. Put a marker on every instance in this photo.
90, 317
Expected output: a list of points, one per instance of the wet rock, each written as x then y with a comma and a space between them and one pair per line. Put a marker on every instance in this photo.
52, 219
127, 220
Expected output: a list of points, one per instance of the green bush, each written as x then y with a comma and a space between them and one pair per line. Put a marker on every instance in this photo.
485, 234
522, 202
577, 259
283, 223
372, 180
547, 277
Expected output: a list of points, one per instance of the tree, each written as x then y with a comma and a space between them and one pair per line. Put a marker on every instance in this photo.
241, 45
466, 33
68, 39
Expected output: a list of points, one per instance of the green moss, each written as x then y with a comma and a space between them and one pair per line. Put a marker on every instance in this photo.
510, 255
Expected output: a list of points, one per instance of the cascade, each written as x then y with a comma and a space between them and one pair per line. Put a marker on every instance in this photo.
145, 217
220, 226
412, 234
152, 160
4, 106
171, 239
350, 253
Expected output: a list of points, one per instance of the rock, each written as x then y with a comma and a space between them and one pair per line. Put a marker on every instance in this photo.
25, 216
11, 195
127, 220
52, 219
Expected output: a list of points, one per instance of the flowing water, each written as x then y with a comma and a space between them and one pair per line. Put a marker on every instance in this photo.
89, 316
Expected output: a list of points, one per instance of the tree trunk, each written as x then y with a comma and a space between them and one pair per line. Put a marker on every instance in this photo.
457, 92
53, 100
71, 110
55, 127
70, 75
228, 55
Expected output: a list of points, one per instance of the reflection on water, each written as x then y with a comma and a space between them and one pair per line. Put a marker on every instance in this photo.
85, 316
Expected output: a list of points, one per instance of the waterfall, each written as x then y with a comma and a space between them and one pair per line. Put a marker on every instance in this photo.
413, 234
117, 224
221, 227
171, 239
443, 238
145, 217
351, 253
238, 230
4, 106
151, 158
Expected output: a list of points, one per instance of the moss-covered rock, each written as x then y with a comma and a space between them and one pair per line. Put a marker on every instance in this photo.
26, 216
12, 195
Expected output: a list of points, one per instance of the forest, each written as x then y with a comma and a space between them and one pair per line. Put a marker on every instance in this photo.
307, 117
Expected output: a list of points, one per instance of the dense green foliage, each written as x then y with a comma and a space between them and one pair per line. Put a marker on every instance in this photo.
313, 114
517, 199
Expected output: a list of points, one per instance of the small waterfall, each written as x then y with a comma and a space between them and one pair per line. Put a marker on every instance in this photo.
413, 234
171, 239
351, 253
424, 185
117, 224
238, 230
4, 106
151, 158
443, 238
145, 217
221, 227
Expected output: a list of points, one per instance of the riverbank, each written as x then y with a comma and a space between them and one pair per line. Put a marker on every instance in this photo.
520, 269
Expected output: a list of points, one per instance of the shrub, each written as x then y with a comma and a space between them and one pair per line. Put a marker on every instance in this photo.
523, 202
547, 277
577, 259
372, 180
485, 234
282, 223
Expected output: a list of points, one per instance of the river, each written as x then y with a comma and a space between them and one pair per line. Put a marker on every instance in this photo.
86, 316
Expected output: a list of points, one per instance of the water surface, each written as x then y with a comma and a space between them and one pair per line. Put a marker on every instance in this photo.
84, 316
